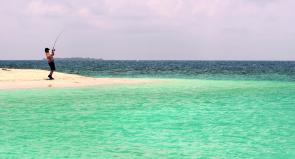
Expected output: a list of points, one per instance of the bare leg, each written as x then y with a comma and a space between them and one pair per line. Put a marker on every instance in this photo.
50, 74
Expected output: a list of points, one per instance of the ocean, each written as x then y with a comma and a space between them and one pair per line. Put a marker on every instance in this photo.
204, 109
224, 70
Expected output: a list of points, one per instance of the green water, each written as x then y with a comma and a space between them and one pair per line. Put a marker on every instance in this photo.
173, 119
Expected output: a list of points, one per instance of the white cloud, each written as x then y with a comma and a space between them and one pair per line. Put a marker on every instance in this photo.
166, 8
41, 8
84, 12
209, 26
93, 19
210, 7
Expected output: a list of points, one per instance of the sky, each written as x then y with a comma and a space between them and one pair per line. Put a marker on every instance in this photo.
149, 29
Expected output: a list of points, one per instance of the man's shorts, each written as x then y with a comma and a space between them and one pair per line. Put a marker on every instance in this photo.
52, 66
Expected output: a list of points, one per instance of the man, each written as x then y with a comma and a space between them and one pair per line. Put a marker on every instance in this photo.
50, 59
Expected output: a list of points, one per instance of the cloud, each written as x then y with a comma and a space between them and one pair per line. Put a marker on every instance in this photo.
92, 19
166, 8
84, 12
216, 28
41, 8
209, 7
69, 11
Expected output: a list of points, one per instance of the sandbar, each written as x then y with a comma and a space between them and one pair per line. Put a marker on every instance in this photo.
11, 79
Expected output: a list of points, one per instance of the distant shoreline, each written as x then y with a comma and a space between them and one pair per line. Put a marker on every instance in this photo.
100, 59
79, 58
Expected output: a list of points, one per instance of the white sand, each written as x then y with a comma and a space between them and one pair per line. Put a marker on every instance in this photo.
29, 79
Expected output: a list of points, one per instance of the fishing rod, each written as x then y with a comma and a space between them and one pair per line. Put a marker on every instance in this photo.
59, 35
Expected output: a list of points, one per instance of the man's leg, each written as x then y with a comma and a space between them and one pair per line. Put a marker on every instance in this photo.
52, 68
50, 74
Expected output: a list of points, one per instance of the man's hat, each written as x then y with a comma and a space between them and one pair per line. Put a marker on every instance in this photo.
47, 49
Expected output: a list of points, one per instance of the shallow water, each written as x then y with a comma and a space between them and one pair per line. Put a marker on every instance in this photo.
173, 119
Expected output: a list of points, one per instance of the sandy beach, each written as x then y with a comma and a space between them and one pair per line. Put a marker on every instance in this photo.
31, 78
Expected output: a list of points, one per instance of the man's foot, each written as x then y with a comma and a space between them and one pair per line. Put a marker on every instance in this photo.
50, 77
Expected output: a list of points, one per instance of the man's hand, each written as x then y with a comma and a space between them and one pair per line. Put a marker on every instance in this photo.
52, 52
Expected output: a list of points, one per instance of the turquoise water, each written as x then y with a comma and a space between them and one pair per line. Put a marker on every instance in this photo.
172, 119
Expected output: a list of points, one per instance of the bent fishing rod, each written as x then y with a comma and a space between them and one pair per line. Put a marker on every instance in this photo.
59, 35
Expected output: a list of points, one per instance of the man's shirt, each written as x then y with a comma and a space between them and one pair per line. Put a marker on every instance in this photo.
49, 57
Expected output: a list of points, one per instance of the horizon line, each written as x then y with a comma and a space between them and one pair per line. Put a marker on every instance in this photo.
101, 59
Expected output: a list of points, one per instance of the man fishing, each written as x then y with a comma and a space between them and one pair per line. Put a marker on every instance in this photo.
50, 59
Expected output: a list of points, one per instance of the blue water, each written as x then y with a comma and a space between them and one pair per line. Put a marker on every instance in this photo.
244, 70
203, 109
